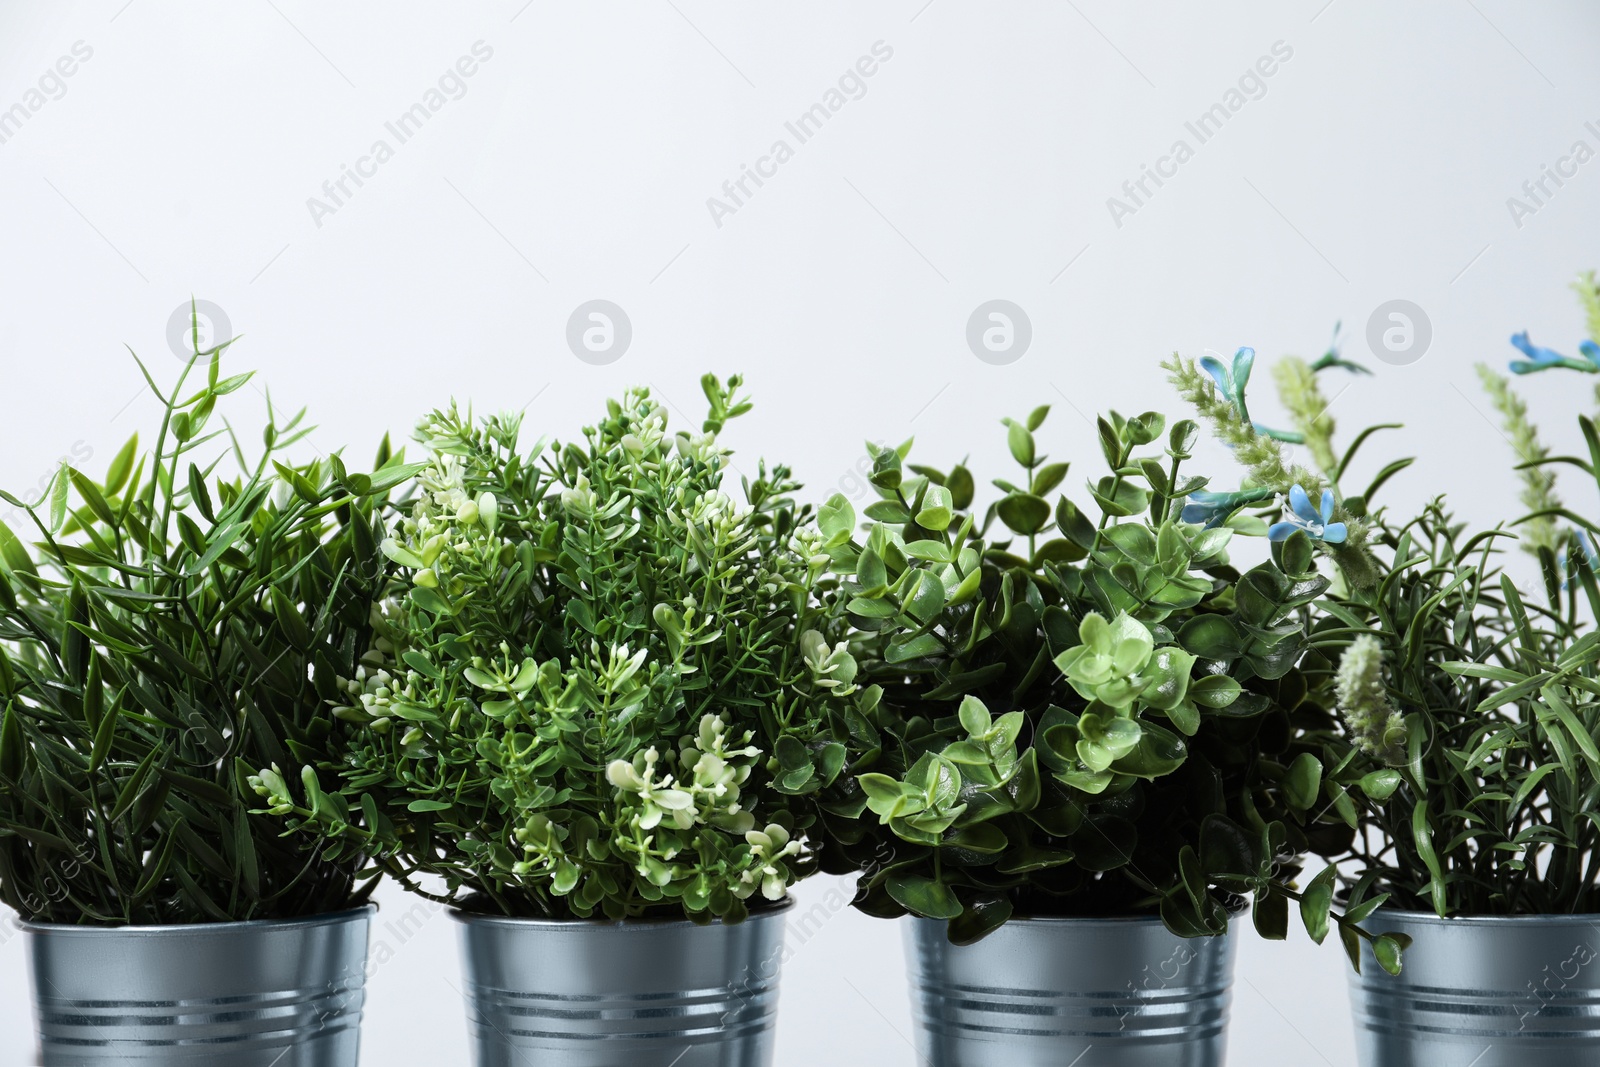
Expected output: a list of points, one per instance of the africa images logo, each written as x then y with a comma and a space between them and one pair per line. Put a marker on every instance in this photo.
451, 85
51, 85
852, 85
1251, 85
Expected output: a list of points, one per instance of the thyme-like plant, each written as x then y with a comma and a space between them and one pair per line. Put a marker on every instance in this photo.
1072, 715
170, 631
590, 694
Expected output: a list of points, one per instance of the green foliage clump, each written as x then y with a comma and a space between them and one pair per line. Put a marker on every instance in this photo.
1455, 718
170, 631
1068, 715
593, 691
1487, 808
1490, 809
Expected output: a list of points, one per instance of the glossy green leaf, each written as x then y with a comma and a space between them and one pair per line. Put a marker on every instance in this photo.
1302, 784
923, 896
1024, 512
1316, 902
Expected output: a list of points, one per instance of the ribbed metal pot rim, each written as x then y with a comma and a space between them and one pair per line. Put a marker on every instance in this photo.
475, 918
330, 918
1428, 917
1086, 920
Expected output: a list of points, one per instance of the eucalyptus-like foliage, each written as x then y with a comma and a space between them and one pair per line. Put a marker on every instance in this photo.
590, 694
1072, 712
170, 631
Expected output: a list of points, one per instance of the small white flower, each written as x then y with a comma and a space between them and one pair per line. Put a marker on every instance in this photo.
580, 498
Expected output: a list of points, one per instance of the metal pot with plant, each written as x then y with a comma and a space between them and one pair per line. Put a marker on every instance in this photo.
1461, 727
168, 631
1078, 755
588, 722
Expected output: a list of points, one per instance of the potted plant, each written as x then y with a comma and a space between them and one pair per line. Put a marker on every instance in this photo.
1462, 730
1077, 756
169, 631
588, 723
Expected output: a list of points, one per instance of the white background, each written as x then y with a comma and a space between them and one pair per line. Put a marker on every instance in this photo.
179, 159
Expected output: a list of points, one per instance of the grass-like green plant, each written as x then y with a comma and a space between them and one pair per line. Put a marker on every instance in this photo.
1457, 716
1073, 712
590, 694
1469, 715
168, 631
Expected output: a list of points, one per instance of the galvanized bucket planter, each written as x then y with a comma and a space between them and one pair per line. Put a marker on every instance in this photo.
1522, 991
599, 994
247, 994
1052, 992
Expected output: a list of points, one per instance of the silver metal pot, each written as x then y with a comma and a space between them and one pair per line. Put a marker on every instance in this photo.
1057, 992
247, 994
641, 994
1520, 991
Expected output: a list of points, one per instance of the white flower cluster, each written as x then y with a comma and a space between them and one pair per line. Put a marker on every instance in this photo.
717, 513
831, 668
767, 849
700, 784
718, 528
703, 448
374, 692
813, 548
271, 785
647, 434
446, 523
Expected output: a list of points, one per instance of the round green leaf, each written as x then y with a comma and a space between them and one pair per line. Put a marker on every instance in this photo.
922, 896
1023, 512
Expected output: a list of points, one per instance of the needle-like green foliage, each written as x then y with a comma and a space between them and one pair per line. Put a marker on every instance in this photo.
169, 631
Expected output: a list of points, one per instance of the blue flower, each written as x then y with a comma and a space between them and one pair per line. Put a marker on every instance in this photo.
1213, 509
1319, 524
1546, 358
1232, 380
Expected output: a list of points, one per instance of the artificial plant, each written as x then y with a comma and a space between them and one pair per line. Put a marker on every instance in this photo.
1072, 712
1455, 716
169, 630
590, 693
